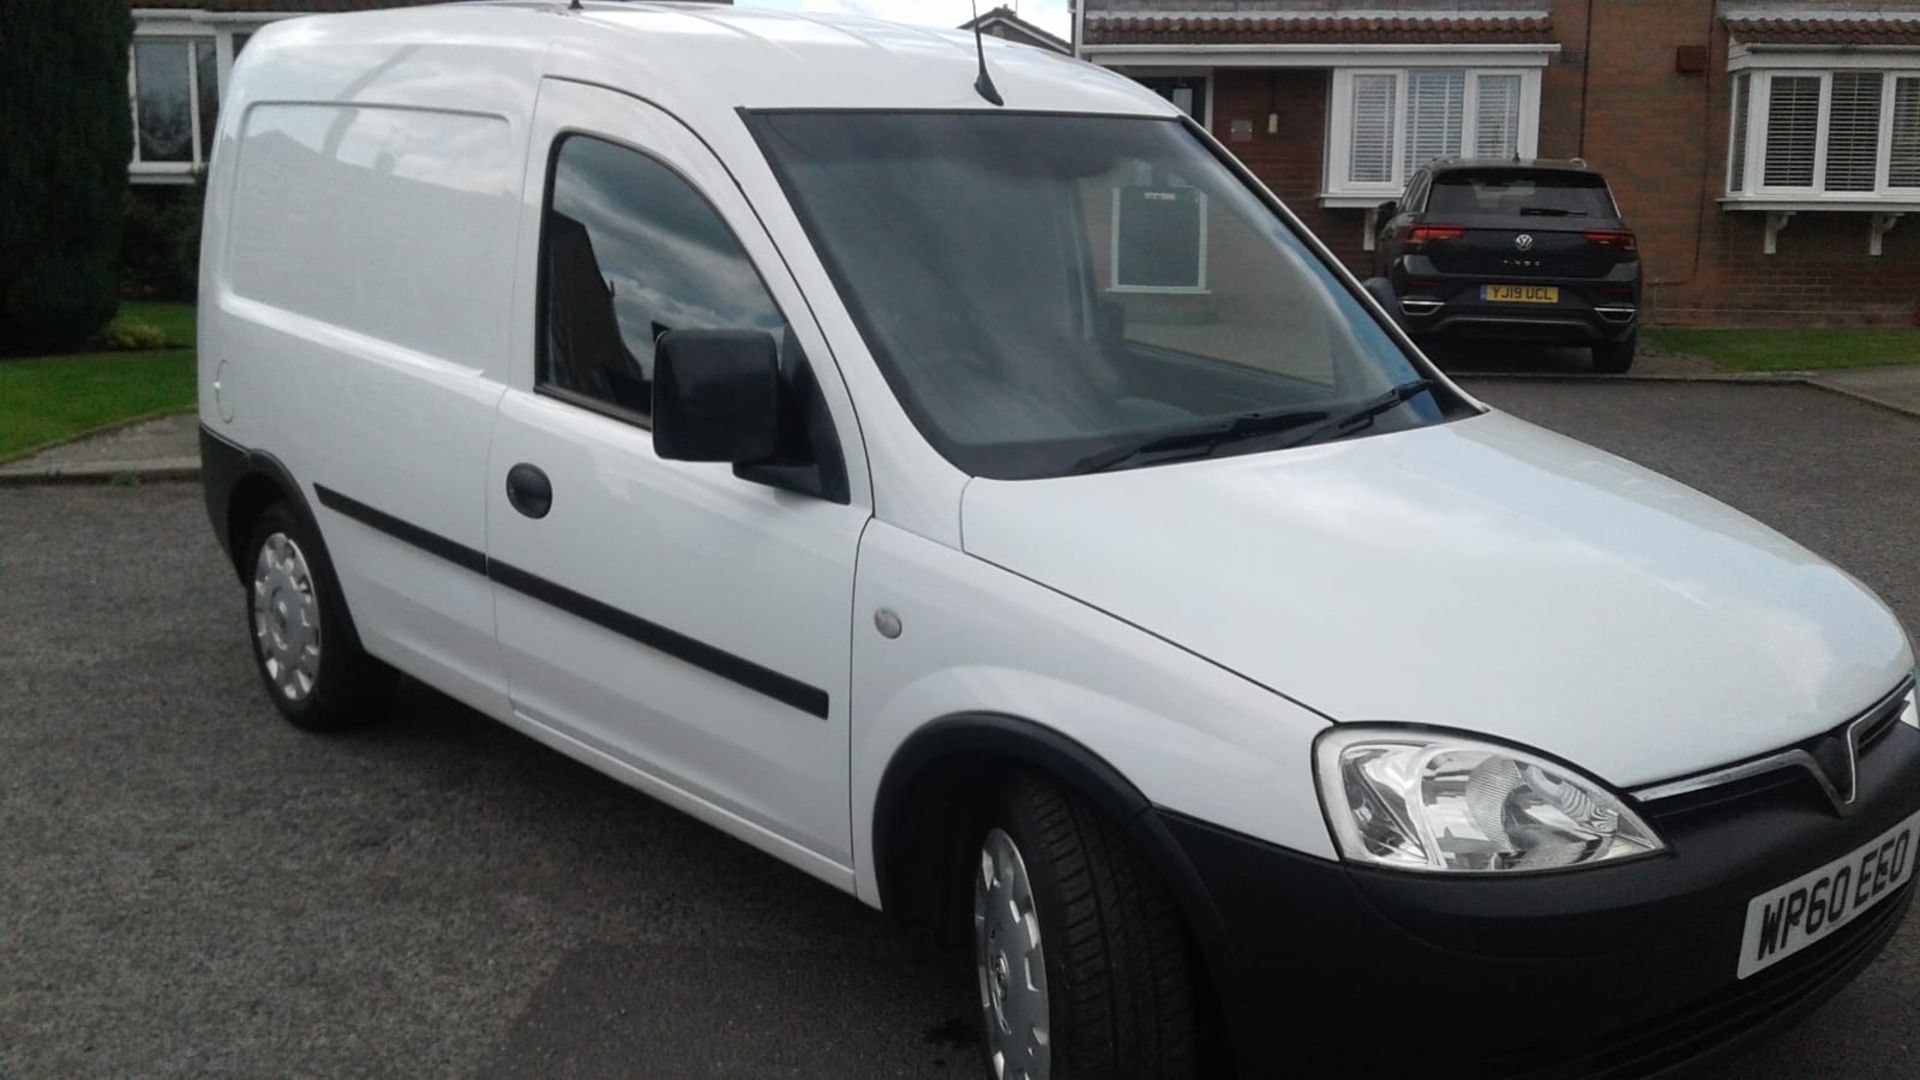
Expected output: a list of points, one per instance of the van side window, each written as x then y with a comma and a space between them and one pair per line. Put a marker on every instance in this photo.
630, 251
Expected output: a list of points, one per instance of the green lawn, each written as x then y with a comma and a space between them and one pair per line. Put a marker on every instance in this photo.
50, 399
1793, 350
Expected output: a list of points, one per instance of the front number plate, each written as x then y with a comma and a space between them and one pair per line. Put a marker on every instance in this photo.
1521, 294
1815, 905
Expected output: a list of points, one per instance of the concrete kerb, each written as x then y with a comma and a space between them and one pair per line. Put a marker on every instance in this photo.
1764, 378
149, 470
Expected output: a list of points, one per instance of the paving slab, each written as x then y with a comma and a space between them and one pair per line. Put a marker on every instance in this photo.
1893, 387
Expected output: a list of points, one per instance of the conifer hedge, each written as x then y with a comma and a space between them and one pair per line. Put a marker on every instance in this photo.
65, 139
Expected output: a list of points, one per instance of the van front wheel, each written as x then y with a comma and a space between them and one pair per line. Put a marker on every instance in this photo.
1082, 964
303, 645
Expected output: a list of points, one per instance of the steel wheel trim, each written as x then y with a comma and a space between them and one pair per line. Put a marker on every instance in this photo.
1010, 963
286, 618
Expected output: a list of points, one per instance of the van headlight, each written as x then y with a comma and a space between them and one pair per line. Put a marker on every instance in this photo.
1433, 801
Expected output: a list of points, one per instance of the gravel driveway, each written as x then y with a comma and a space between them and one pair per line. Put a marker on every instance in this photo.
188, 885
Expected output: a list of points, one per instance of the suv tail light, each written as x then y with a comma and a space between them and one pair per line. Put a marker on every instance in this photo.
1422, 235
1614, 240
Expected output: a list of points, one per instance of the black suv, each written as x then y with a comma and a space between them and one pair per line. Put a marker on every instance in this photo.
1518, 250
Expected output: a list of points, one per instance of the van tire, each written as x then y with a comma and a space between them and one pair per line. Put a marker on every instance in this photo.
304, 647
1616, 357
1118, 963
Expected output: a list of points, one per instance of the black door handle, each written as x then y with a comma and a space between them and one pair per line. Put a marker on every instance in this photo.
529, 490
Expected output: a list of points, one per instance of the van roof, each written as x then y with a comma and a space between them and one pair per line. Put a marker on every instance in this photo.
706, 55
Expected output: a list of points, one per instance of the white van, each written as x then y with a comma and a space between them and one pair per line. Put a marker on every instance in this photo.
1010, 514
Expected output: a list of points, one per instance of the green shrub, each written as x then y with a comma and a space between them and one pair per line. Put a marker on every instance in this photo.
122, 335
65, 137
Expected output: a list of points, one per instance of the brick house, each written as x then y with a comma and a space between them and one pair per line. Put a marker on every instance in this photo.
1766, 151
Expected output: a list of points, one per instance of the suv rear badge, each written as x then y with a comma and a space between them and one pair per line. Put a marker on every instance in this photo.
1524, 241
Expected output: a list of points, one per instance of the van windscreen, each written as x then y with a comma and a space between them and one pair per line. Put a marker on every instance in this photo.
1044, 292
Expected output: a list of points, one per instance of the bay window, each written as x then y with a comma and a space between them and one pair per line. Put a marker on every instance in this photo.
1385, 123
1848, 135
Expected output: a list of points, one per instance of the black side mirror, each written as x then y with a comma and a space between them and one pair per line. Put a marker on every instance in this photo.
716, 395
1386, 211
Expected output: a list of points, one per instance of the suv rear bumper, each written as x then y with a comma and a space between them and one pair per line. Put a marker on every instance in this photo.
1334, 969
1588, 311
1562, 325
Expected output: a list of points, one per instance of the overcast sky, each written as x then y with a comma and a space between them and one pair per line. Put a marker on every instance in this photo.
1048, 14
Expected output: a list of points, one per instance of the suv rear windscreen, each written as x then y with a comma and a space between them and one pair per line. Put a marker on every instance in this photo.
1517, 191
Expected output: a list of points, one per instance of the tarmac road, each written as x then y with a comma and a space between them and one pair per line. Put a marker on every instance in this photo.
188, 885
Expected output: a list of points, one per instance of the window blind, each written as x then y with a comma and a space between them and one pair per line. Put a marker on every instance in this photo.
1436, 109
1853, 131
1496, 116
1793, 128
1370, 159
1904, 168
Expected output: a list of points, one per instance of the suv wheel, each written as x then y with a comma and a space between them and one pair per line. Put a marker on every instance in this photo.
1615, 357
1082, 962
303, 645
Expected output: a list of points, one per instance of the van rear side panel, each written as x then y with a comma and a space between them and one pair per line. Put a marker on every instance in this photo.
382, 222
363, 218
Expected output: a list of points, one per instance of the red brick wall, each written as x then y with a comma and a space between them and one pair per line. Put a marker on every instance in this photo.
1821, 276
1661, 138
1563, 82
1291, 161
1648, 129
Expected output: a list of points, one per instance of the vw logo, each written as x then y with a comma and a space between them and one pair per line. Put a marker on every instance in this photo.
1524, 241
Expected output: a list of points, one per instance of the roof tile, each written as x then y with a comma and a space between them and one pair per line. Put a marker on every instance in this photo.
1116, 29
1840, 31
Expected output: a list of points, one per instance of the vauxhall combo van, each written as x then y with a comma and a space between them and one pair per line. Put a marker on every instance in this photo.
943, 467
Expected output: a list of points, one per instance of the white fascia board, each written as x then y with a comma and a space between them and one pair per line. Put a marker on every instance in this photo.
1320, 55
1741, 56
1336, 201
1856, 204
188, 21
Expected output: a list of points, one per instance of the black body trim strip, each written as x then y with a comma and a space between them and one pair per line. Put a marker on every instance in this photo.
432, 543
782, 688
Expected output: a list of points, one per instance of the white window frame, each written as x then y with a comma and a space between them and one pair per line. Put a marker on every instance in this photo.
186, 28
1757, 192
1339, 189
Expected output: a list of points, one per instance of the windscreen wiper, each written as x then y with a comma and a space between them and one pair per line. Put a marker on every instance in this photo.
1550, 211
1363, 413
1202, 441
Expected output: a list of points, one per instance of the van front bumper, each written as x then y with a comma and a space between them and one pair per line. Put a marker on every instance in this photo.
1326, 968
